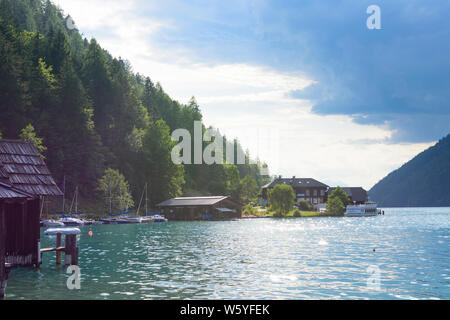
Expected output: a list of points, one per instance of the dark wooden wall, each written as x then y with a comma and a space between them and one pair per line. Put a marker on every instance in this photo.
2, 250
186, 213
22, 234
198, 212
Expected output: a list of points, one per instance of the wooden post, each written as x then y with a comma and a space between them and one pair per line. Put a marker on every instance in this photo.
58, 244
71, 250
2, 251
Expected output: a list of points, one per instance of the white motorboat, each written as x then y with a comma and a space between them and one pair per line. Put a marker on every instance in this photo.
158, 218
52, 224
70, 221
367, 209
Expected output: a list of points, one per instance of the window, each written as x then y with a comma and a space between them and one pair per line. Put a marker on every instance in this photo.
322, 193
307, 192
315, 193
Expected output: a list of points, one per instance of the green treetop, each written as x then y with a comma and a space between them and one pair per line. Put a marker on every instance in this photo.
114, 185
28, 134
341, 195
281, 199
249, 188
335, 206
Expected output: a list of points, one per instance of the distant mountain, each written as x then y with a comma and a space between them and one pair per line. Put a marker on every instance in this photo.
423, 181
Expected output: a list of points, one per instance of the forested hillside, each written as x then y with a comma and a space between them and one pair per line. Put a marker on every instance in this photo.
93, 112
423, 181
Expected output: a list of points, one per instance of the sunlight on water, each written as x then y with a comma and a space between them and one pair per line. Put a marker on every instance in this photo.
304, 258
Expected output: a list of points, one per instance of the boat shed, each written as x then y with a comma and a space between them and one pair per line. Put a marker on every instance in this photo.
201, 208
24, 179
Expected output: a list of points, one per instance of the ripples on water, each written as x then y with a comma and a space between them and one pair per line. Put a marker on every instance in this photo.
304, 258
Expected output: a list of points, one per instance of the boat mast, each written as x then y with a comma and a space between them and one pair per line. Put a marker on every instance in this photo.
64, 193
120, 195
110, 198
76, 199
146, 209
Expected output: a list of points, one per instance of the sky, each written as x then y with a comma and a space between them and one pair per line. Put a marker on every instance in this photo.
306, 86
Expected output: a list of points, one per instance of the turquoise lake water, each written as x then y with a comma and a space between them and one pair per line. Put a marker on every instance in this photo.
302, 258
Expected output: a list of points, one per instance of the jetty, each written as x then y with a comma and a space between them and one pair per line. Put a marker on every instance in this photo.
70, 249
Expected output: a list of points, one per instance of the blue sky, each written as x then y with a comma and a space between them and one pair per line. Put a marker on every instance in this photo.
309, 70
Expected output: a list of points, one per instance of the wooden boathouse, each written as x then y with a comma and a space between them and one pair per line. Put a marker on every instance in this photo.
24, 179
201, 208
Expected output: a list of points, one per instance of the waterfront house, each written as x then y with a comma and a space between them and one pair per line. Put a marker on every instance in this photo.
200, 208
357, 195
24, 179
311, 190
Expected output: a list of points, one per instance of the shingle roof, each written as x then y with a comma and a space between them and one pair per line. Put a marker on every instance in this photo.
192, 201
22, 167
357, 194
9, 192
296, 182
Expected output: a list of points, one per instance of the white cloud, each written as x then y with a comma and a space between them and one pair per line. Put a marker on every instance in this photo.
248, 101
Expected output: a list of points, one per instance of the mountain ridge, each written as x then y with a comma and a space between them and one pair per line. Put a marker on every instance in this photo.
424, 181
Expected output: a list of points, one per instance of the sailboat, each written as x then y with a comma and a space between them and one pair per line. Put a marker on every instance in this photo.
118, 218
49, 223
131, 219
75, 214
150, 216
65, 219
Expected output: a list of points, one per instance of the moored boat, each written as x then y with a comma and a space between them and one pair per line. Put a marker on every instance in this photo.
51, 224
71, 221
158, 218
54, 231
367, 209
133, 219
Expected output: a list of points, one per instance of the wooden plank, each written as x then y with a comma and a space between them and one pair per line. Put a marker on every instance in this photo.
58, 249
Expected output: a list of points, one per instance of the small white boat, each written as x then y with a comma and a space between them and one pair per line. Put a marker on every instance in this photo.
52, 224
133, 219
54, 231
367, 209
70, 221
158, 218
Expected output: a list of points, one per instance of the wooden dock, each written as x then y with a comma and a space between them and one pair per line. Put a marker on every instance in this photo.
70, 249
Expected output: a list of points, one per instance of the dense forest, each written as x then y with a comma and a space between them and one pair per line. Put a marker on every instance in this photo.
90, 113
422, 182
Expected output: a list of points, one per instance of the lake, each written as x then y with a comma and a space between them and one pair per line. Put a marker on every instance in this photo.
402, 255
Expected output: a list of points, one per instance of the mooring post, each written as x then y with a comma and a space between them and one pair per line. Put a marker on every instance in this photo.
71, 250
58, 244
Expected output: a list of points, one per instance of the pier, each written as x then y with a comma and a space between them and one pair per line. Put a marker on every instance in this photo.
70, 249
